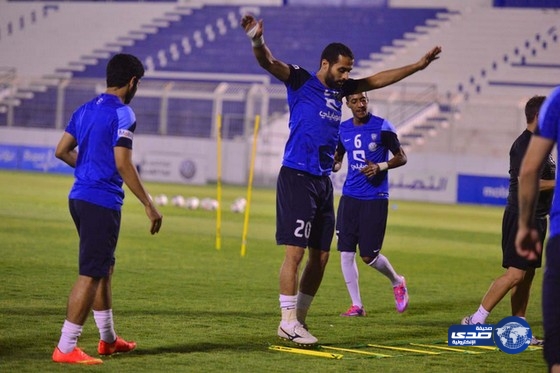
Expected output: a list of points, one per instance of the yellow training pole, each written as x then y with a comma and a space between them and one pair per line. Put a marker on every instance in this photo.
250, 187
219, 182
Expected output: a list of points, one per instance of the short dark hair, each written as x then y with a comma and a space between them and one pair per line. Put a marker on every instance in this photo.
347, 97
123, 67
333, 50
532, 107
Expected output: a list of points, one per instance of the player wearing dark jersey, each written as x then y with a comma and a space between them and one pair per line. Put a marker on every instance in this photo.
103, 130
519, 273
363, 207
528, 241
305, 209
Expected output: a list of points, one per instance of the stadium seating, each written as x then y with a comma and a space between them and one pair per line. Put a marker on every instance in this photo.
208, 40
487, 57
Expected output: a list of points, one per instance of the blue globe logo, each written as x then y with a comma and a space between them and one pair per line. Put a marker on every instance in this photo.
512, 335
187, 169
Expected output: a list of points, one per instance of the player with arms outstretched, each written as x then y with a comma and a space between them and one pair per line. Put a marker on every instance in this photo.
304, 203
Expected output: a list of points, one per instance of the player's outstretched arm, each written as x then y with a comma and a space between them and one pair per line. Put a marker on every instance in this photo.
254, 30
388, 77
127, 170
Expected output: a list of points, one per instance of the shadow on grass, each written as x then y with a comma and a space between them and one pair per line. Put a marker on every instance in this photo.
202, 348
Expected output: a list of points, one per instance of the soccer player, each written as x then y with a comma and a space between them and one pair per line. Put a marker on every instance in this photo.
304, 201
519, 273
103, 130
529, 241
363, 207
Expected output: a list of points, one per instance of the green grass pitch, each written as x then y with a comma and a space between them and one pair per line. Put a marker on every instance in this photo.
192, 308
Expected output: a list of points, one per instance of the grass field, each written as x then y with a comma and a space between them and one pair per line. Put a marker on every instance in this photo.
192, 308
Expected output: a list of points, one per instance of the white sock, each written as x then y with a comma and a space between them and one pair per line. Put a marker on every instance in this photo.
69, 336
351, 276
382, 264
479, 317
104, 322
302, 306
288, 308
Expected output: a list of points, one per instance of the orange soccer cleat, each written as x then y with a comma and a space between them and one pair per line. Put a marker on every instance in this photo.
120, 345
76, 356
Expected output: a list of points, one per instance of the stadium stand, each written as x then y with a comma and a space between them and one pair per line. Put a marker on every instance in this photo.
484, 69
206, 39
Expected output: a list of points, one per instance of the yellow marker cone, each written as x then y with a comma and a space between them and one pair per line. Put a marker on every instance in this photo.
302, 351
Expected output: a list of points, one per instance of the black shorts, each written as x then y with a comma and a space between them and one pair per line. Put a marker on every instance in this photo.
361, 223
98, 228
509, 232
304, 210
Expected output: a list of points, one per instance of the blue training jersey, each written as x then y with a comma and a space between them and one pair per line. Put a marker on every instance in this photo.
549, 123
369, 141
315, 113
98, 126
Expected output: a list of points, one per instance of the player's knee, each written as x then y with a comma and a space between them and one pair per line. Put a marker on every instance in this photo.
324, 258
318, 257
515, 275
369, 260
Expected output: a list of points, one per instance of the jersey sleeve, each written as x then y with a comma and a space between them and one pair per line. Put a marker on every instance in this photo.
126, 127
349, 87
71, 126
549, 116
389, 137
298, 77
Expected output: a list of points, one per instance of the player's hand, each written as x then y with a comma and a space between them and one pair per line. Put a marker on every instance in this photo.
156, 218
371, 169
336, 166
252, 27
432, 55
528, 243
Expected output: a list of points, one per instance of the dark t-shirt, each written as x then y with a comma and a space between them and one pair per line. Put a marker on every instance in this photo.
516, 154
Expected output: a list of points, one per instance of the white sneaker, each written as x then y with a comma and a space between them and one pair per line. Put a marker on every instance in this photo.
536, 342
297, 334
467, 320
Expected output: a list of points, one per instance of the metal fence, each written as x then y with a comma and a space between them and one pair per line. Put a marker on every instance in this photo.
184, 107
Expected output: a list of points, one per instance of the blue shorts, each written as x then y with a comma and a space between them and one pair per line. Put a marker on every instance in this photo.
98, 228
361, 223
304, 210
510, 257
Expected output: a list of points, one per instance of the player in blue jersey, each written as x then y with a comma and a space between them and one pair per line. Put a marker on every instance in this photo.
528, 241
363, 207
97, 142
520, 272
304, 202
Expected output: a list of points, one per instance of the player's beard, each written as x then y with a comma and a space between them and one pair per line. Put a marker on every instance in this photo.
331, 82
130, 94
